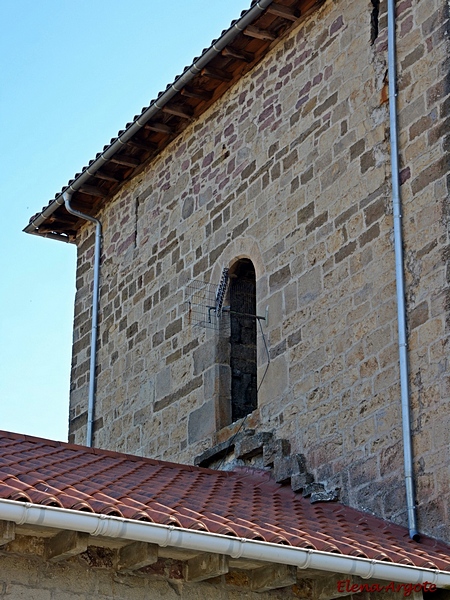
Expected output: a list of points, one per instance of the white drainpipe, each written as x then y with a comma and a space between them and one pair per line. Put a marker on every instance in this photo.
168, 535
94, 326
401, 308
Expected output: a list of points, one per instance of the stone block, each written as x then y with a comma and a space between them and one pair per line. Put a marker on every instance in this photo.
300, 481
418, 315
214, 454
7, 532
272, 577
313, 488
201, 422
204, 357
252, 445
65, 544
206, 566
282, 470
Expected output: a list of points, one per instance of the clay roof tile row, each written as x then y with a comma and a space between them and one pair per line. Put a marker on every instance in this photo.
244, 504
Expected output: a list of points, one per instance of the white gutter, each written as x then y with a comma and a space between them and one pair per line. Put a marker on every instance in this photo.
401, 307
164, 535
153, 109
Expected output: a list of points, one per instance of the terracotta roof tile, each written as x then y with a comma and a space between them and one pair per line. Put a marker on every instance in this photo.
241, 503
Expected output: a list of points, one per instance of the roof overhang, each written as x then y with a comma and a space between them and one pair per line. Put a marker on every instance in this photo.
220, 66
26, 514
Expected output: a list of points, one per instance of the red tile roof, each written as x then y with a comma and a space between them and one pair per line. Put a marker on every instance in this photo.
244, 503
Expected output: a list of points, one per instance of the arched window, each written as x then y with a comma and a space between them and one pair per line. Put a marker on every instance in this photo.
242, 294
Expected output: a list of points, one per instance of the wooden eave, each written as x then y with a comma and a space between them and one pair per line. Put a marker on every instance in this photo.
222, 72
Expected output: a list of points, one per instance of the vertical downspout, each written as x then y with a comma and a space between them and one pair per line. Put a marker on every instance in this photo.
95, 303
401, 308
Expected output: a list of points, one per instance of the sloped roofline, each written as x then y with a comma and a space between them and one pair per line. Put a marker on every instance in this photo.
139, 121
200, 85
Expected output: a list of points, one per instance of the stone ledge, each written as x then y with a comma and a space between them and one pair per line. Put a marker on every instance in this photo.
246, 447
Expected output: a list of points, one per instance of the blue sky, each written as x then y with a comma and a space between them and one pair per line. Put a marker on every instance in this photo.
73, 72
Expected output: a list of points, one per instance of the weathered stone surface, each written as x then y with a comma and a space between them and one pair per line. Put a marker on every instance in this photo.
135, 556
206, 566
250, 446
65, 544
214, 454
282, 470
7, 532
272, 577
299, 481
323, 496
201, 422
303, 190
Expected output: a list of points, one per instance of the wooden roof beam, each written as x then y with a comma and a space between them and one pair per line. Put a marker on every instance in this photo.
177, 111
159, 128
284, 12
196, 93
91, 190
126, 161
260, 34
106, 177
61, 216
247, 57
51, 232
219, 74
147, 146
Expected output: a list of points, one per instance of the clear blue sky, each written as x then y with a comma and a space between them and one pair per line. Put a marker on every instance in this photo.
73, 72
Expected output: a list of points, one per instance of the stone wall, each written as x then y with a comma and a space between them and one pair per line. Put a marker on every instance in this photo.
31, 578
290, 169
93, 576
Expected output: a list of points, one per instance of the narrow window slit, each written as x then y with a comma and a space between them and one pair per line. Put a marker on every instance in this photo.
243, 339
374, 20
136, 221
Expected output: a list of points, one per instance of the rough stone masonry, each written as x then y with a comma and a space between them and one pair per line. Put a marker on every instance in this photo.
291, 170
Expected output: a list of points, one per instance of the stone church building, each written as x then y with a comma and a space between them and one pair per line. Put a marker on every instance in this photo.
262, 243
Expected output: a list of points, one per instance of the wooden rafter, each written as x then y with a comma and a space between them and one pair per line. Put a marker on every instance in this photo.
91, 190
238, 54
147, 146
283, 11
219, 74
249, 46
105, 176
190, 92
127, 161
159, 127
260, 34
178, 111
